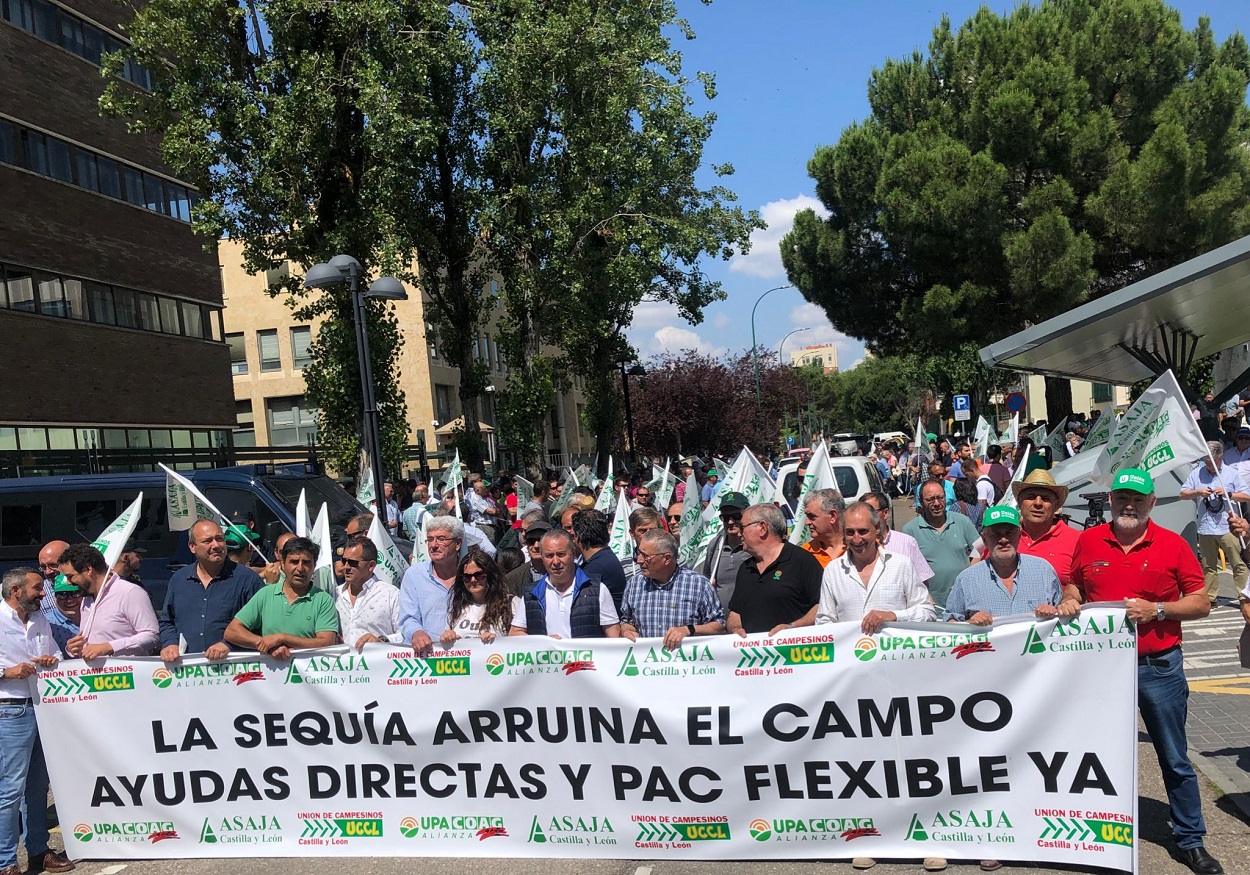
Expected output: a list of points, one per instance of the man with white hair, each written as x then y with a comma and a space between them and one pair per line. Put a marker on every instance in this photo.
425, 591
665, 599
1210, 485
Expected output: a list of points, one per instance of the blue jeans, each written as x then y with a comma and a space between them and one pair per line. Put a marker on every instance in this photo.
23, 784
1163, 698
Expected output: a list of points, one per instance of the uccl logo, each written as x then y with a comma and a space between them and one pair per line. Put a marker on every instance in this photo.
760, 830
494, 664
162, 678
83, 833
865, 649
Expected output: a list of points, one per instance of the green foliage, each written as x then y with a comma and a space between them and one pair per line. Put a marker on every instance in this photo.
879, 394
1025, 165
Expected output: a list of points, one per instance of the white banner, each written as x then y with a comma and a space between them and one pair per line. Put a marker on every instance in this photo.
1158, 434
821, 743
819, 476
391, 565
604, 502
112, 541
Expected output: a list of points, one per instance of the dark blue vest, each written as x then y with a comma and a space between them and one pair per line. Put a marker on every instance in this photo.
584, 617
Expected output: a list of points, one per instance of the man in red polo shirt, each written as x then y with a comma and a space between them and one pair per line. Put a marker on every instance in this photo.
1042, 533
1156, 574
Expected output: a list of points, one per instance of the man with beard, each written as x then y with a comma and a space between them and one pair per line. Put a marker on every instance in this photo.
289, 615
1155, 573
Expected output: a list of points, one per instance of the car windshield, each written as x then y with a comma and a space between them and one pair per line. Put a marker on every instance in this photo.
317, 490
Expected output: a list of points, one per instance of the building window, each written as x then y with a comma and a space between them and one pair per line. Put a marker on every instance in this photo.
102, 303
8, 140
301, 342
276, 276
21, 289
442, 404
245, 424
192, 319
270, 357
62, 28
290, 423
149, 315
170, 323
127, 308
238, 353
1102, 393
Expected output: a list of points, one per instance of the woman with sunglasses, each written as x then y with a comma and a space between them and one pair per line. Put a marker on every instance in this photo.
482, 606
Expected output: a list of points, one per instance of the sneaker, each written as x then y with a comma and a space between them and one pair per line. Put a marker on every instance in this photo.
934, 864
857, 863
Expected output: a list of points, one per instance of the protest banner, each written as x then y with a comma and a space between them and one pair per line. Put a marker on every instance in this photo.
1158, 434
819, 743
606, 495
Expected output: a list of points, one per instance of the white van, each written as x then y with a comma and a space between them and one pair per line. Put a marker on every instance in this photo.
856, 477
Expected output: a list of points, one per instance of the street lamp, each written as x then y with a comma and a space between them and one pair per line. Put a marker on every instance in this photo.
755, 359
344, 268
635, 371
780, 361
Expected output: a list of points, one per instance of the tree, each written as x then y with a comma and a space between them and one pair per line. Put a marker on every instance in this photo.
1027, 164
879, 394
694, 404
297, 133
591, 153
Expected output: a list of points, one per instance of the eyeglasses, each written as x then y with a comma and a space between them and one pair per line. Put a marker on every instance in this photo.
676, 518
649, 556
474, 575
433, 540
68, 595
353, 563
49, 566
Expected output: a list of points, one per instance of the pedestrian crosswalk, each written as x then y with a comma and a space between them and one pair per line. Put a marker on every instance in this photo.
1211, 644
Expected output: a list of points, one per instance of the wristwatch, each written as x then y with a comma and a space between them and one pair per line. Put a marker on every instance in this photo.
1159, 612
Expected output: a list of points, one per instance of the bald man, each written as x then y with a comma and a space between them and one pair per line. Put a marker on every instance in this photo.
49, 567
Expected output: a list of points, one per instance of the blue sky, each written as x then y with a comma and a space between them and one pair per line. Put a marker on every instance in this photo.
790, 75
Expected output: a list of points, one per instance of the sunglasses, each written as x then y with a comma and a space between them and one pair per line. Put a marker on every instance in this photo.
354, 563
535, 540
641, 494
674, 519
68, 595
731, 518
474, 575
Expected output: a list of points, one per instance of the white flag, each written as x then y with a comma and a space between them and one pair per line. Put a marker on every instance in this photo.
1100, 433
1055, 442
113, 539
664, 497
819, 476
981, 430
984, 436
691, 509
319, 534
1038, 435
185, 504
920, 446
455, 482
752, 479
301, 515
604, 501
619, 542
594, 472
1157, 434
1009, 497
366, 492
391, 563
524, 493
1013, 431
419, 552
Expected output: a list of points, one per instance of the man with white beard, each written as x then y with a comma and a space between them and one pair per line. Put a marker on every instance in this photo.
1155, 573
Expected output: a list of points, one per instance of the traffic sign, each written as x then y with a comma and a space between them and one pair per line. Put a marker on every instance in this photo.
963, 415
1015, 402
790, 440
962, 402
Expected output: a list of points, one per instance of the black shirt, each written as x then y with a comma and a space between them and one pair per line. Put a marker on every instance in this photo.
606, 568
783, 593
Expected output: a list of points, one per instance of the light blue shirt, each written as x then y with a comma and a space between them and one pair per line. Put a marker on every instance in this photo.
1213, 523
979, 588
710, 490
423, 602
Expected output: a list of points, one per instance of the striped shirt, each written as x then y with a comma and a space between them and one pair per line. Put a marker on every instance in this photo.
893, 586
979, 588
686, 599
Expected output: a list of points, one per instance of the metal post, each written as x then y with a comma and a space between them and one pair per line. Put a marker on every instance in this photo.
755, 358
372, 435
629, 415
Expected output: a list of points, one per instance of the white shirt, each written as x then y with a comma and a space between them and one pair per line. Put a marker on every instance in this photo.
905, 545
19, 642
559, 605
985, 490
892, 587
474, 537
469, 623
376, 611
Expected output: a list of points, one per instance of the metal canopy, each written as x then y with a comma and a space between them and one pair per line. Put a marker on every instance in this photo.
1189, 311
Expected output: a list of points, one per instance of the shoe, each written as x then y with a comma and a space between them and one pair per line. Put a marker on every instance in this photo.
1197, 859
990, 865
934, 864
11, 870
857, 863
49, 861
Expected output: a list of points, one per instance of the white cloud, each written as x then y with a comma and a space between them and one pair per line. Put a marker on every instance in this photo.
720, 320
764, 259
672, 339
654, 314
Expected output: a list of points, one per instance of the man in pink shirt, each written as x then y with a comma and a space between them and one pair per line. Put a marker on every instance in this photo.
117, 615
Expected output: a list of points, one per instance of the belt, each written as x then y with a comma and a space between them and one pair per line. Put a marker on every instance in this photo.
16, 702
1157, 658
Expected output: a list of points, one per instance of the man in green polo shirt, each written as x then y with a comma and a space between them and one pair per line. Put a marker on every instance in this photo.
945, 540
290, 614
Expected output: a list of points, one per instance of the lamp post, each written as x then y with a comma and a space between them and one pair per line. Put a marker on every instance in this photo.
635, 371
344, 268
780, 361
755, 359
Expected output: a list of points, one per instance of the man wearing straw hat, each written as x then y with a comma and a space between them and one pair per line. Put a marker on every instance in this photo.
1209, 486
1042, 532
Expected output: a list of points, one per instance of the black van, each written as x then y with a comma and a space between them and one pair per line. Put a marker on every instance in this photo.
75, 508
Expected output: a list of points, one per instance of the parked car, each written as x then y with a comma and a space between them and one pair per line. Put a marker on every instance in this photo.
848, 444
855, 476
35, 510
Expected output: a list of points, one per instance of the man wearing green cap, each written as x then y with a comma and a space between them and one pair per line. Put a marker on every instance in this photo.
1007, 582
66, 614
1154, 572
711, 487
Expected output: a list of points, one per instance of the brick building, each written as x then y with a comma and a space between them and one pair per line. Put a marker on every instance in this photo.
110, 307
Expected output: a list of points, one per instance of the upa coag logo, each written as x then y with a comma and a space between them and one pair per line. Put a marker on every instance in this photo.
241, 829
127, 832
211, 675
927, 645
494, 664
684, 661
453, 826
331, 670
83, 833
962, 826
571, 829
812, 829
554, 661
1083, 632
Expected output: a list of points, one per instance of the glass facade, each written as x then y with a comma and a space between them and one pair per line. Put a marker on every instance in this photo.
62, 28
